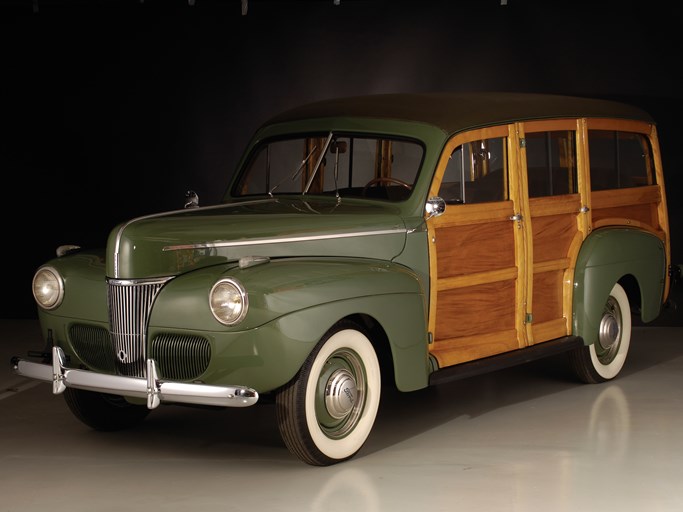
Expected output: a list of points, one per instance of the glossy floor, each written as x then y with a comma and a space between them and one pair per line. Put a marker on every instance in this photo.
523, 439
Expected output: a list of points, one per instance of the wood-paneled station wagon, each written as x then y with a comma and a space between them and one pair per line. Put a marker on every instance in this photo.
389, 240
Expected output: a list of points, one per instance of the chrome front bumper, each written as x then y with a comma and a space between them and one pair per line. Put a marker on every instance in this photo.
154, 390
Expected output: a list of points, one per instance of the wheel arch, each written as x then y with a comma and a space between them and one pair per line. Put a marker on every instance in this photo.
400, 340
380, 341
631, 286
632, 257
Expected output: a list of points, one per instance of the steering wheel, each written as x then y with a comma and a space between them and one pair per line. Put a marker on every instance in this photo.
386, 179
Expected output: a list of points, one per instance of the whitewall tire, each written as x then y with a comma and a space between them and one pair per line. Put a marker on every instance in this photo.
604, 359
325, 414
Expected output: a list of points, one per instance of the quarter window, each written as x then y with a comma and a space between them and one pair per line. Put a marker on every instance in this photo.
619, 160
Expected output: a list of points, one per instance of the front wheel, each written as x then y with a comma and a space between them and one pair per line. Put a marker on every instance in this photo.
326, 412
604, 359
102, 411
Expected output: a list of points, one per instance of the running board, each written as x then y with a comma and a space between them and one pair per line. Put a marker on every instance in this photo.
505, 360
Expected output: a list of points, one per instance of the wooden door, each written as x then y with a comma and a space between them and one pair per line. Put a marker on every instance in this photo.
558, 221
478, 249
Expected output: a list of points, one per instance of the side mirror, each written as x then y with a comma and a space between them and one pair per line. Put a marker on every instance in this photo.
434, 207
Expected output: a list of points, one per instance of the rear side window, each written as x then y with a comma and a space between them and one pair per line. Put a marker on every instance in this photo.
551, 163
619, 160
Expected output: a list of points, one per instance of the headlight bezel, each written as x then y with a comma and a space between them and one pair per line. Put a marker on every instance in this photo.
52, 276
229, 285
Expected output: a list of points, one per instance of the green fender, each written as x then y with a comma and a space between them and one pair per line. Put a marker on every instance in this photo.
400, 315
292, 303
85, 287
606, 256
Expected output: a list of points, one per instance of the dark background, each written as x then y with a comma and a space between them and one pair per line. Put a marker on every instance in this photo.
113, 109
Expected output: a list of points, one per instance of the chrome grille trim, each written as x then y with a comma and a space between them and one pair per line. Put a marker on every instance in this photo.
130, 302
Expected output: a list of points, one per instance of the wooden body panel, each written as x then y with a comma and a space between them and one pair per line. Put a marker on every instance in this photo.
476, 289
555, 230
502, 273
629, 207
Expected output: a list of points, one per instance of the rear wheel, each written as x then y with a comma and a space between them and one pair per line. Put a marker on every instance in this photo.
102, 411
604, 359
326, 412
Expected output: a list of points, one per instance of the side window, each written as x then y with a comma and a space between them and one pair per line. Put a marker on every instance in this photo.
619, 160
551, 163
476, 172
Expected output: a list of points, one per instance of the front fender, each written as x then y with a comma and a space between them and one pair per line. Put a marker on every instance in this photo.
270, 356
606, 256
85, 287
278, 288
292, 303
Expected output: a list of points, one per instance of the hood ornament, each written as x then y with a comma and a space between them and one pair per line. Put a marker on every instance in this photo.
191, 199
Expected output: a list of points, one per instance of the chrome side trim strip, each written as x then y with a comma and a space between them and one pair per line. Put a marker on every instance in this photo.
152, 388
267, 241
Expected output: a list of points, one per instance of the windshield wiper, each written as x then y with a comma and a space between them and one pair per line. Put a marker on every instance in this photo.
317, 164
336, 146
294, 175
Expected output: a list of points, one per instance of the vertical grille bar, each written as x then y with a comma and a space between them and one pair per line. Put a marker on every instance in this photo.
130, 303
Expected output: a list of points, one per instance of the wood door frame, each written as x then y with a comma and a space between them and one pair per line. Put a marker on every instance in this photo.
472, 214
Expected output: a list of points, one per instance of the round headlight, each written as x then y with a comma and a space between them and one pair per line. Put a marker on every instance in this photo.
48, 288
228, 301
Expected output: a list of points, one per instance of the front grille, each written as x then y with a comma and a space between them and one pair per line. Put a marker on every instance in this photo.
130, 303
93, 346
180, 357
122, 350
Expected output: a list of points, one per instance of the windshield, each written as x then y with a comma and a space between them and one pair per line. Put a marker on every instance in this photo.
333, 164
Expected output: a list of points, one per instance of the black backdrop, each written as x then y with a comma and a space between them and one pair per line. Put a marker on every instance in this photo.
113, 109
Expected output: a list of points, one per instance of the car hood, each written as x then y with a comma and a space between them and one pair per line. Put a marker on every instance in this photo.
171, 243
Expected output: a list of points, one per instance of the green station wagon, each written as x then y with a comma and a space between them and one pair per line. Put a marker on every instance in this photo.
387, 240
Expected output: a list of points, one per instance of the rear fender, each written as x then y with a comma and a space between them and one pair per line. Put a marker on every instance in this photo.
606, 256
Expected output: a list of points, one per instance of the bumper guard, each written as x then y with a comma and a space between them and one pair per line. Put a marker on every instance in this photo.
154, 390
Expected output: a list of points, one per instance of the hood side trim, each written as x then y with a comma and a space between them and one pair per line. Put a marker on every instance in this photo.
267, 241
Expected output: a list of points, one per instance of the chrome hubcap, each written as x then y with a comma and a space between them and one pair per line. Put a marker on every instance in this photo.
610, 331
341, 393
